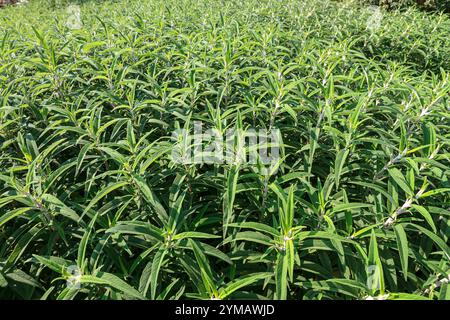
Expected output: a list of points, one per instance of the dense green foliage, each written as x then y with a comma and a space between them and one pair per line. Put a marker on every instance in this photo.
87, 180
439, 5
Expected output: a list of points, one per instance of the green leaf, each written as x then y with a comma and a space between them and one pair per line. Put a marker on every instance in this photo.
402, 244
347, 287
242, 282
230, 193
434, 192
81, 157
156, 266
3, 281
193, 234
429, 138
281, 269
103, 193
426, 215
438, 241
256, 226
64, 210
375, 263
349, 206
406, 296
251, 236
12, 214
205, 270
56, 264
151, 198
138, 228
84, 242
108, 279
400, 180
339, 164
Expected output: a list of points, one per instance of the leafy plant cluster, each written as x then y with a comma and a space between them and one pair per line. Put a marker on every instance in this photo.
435, 5
92, 206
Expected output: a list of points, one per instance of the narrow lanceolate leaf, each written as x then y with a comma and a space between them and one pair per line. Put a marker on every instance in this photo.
193, 234
322, 235
151, 198
338, 165
18, 276
436, 239
256, 226
281, 269
103, 193
3, 281
205, 269
288, 217
242, 282
230, 194
375, 280
403, 249
349, 206
429, 138
444, 292
426, 215
138, 228
110, 280
155, 270
290, 256
400, 180
23, 243
62, 208
131, 138
346, 287
84, 243
12, 214
144, 281
406, 296
252, 236
56, 264
435, 192
81, 157
376, 188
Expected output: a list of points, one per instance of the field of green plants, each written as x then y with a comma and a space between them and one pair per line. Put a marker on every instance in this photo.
93, 205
